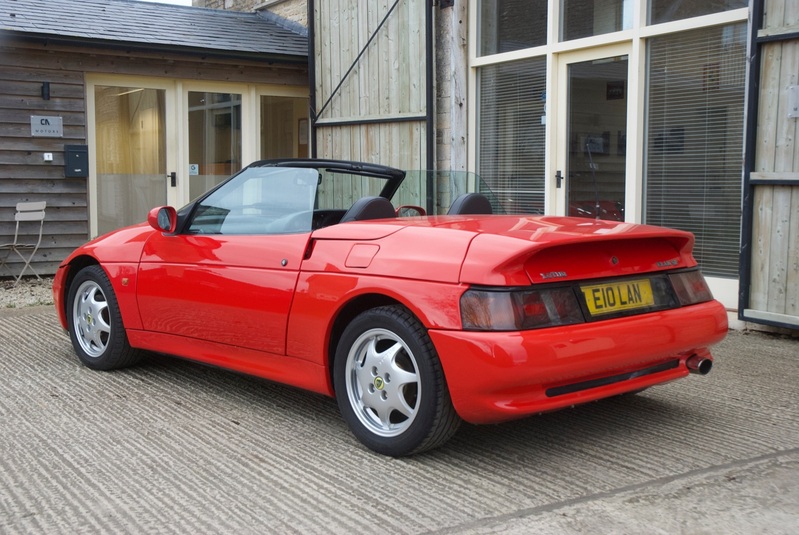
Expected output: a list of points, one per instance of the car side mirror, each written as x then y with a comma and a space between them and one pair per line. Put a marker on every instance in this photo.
407, 210
163, 218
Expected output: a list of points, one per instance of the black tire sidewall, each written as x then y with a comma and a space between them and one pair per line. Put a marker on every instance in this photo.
114, 355
403, 325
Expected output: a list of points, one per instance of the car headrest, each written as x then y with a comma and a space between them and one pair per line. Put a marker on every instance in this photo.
471, 203
369, 208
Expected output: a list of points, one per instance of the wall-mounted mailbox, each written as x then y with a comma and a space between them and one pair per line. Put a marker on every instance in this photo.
76, 161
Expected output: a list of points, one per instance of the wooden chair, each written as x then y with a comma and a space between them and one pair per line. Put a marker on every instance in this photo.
28, 213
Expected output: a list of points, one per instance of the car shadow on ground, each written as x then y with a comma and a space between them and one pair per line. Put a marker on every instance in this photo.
612, 423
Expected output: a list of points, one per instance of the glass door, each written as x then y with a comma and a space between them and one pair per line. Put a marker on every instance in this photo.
131, 154
155, 142
592, 130
214, 138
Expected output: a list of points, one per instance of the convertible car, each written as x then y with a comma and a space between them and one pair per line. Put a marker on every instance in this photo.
305, 273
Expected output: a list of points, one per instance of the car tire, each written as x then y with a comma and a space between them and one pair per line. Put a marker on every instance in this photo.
390, 386
95, 323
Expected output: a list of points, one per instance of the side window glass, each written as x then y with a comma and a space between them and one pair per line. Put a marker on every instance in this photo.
260, 200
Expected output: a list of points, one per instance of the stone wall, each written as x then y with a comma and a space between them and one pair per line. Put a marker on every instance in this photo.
294, 10
233, 5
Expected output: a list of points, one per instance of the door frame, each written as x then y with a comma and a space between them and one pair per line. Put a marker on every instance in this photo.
556, 201
177, 123
173, 148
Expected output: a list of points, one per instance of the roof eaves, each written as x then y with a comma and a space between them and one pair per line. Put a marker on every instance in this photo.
158, 47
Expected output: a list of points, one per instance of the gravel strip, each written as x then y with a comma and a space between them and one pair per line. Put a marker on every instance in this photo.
30, 291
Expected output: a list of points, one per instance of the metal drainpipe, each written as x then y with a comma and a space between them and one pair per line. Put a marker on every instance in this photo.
431, 134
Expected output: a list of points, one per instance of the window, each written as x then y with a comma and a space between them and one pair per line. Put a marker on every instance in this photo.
511, 133
284, 127
669, 10
214, 138
259, 201
694, 140
586, 18
507, 25
285, 200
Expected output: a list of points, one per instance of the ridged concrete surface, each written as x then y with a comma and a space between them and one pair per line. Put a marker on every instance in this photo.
175, 447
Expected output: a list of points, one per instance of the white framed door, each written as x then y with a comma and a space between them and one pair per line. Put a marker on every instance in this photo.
591, 130
216, 135
133, 152
156, 141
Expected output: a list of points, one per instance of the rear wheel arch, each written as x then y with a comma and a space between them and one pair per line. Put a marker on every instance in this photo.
390, 385
351, 310
345, 315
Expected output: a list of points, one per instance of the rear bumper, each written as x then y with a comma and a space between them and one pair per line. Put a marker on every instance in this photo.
504, 375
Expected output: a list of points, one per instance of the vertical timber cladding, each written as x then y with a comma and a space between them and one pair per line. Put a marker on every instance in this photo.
773, 191
370, 87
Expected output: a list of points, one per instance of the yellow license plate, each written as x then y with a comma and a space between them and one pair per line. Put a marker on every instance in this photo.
618, 296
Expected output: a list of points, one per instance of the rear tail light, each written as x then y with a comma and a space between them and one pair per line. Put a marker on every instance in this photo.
690, 287
484, 309
513, 310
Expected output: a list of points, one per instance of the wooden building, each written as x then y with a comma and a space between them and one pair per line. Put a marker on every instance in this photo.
636, 110
770, 250
165, 100
646, 111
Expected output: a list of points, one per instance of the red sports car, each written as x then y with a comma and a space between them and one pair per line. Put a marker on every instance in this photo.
301, 271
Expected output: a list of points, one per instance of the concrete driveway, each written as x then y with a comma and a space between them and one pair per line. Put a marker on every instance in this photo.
175, 447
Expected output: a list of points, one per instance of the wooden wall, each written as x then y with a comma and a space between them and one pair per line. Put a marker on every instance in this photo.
774, 288
25, 176
378, 112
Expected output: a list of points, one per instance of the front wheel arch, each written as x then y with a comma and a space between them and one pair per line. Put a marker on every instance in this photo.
75, 266
94, 321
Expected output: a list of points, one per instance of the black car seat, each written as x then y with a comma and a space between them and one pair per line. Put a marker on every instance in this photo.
369, 208
471, 203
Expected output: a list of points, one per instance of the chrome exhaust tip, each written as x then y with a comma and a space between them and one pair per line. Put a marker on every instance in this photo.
699, 365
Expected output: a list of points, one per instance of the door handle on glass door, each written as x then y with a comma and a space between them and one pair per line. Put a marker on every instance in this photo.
173, 179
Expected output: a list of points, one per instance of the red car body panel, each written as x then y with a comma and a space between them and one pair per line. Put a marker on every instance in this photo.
280, 368
234, 290
320, 297
119, 253
500, 376
268, 305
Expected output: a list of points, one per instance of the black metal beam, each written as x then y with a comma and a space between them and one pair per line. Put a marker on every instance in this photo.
312, 77
380, 120
431, 124
750, 146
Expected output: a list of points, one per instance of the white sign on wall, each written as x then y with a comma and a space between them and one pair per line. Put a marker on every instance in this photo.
46, 126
